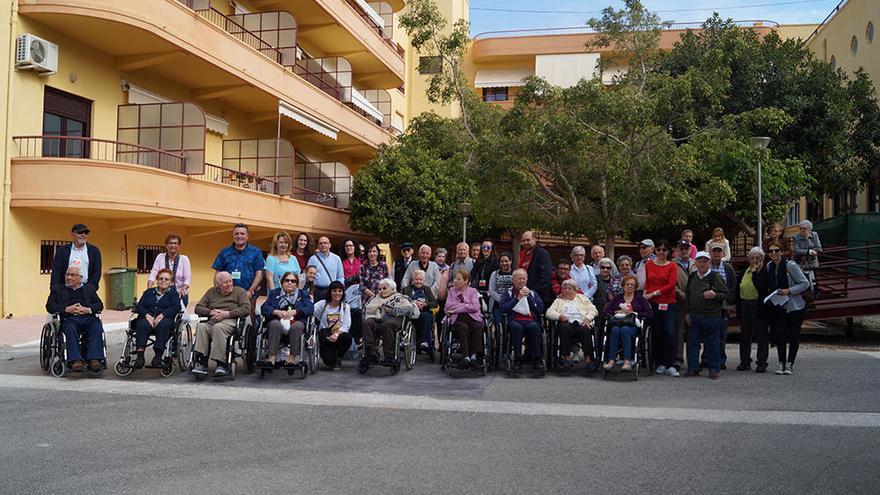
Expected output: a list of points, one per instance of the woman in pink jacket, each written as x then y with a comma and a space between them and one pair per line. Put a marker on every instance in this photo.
466, 319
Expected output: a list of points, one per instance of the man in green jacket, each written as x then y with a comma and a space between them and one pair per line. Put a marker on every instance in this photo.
222, 304
705, 295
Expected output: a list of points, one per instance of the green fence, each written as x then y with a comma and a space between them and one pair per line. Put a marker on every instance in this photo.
860, 232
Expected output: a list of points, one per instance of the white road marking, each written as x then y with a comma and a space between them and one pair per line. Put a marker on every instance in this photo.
873, 354
422, 403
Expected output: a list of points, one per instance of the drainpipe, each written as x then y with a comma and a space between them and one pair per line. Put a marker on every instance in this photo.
7, 165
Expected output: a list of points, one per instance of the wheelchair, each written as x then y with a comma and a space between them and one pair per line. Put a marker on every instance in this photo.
53, 349
642, 351
554, 345
404, 346
504, 352
177, 351
308, 350
450, 349
241, 345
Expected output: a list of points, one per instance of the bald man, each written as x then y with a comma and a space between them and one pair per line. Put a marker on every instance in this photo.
222, 304
535, 260
329, 267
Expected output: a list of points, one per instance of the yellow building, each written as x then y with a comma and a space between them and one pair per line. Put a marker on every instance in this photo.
141, 118
846, 40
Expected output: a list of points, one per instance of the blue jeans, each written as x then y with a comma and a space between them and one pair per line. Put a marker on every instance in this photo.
497, 317
425, 327
708, 330
529, 329
724, 324
87, 327
624, 334
666, 333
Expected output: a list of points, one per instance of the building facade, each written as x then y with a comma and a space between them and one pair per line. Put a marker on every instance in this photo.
142, 118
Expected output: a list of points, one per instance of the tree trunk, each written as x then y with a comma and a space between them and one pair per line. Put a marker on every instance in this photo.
514, 246
609, 247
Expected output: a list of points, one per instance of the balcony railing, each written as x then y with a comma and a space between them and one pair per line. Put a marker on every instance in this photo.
245, 180
103, 150
232, 27
321, 198
522, 33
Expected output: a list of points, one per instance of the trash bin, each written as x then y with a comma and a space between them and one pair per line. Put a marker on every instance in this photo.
122, 282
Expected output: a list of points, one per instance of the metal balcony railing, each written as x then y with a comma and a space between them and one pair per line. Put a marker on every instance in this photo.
245, 180
523, 33
104, 150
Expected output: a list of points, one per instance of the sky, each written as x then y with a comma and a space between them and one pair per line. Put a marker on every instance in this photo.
566, 13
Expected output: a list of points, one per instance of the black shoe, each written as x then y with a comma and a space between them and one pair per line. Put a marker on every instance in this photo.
338, 364
690, 373
157, 360
517, 367
744, 367
538, 366
138, 361
373, 357
476, 364
761, 368
723, 366
713, 374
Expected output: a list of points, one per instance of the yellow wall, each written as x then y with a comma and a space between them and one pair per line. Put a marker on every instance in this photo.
833, 39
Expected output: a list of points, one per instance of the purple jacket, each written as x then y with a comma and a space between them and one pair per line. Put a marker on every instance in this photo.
463, 302
640, 305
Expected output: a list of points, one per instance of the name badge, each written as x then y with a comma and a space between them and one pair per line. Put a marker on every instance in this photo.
236, 275
663, 307
482, 283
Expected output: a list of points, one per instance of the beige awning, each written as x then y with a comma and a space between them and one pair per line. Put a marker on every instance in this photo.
501, 78
291, 112
566, 70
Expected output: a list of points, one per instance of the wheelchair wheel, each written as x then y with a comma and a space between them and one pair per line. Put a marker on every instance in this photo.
167, 370
444, 347
312, 351
123, 369
185, 347
303, 370
59, 367
46, 347
249, 350
394, 368
232, 368
409, 349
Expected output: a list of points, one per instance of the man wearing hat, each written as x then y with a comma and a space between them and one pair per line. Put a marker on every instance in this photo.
80, 254
646, 250
705, 297
728, 275
401, 264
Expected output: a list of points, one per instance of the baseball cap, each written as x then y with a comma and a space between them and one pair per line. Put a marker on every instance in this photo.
646, 242
702, 254
715, 245
683, 244
80, 228
406, 245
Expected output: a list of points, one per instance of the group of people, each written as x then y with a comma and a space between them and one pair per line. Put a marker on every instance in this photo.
687, 296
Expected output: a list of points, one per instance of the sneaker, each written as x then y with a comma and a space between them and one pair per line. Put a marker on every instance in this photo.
200, 369
744, 367
780, 369
220, 370
761, 368
713, 374
608, 366
691, 373
661, 370
466, 362
424, 347
671, 371
789, 369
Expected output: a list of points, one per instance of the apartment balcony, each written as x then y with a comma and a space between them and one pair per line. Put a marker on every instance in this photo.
114, 177
222, 63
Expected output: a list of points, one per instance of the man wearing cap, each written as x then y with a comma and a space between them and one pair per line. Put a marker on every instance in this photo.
728, 275
401, 265
80, 254
646, 251
686, 266
78, 304
705, 299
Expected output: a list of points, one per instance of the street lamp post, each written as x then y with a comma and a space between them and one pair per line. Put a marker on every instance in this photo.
465, 210
760, 143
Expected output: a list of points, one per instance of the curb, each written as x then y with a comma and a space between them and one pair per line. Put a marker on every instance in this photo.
111, 330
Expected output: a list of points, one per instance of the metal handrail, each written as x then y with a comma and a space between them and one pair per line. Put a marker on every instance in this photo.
237, 178
100, 150
235, 29
825, 20
522, 33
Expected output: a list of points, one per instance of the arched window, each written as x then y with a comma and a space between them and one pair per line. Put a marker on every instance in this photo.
854, 46
833, 63
869, 32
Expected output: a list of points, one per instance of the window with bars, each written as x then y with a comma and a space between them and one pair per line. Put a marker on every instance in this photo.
146, 256
47, 255
495, 94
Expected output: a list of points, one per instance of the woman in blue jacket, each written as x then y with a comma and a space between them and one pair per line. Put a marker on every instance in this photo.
288, 303
156, 311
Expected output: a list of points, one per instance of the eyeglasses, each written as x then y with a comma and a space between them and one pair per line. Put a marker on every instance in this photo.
291, 280
163, 279
604, 267
774, 250
487, 248
662, 250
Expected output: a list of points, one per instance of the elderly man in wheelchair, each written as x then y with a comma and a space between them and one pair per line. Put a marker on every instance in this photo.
222, 305
78, 306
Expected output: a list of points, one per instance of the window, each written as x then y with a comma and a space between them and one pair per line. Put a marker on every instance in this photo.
146, 257
874, 195
869, 32
430, 65
844, 202
495, 94
794, 215
833, 63
854, 46
47, 255
65, 114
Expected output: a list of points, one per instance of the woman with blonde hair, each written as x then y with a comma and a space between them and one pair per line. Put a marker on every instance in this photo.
719, 240
280, 260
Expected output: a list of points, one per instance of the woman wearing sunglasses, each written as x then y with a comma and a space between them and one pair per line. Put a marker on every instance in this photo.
483, 268
286, 309
661, 276
788, 281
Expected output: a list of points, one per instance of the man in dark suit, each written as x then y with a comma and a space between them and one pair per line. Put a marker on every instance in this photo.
86, 257
535, 260
78, 305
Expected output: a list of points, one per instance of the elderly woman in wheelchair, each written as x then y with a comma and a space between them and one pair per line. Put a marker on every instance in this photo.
156, 310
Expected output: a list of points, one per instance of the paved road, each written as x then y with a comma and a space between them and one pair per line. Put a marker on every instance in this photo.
422, 432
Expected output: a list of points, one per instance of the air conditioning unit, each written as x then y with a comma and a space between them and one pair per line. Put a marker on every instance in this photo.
36, 54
